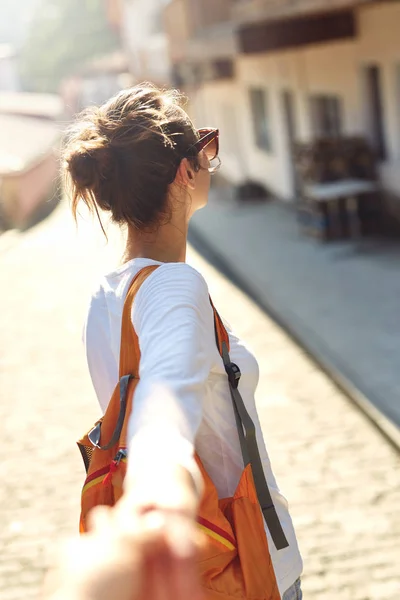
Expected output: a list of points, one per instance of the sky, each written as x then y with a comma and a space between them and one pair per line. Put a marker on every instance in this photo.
15, 16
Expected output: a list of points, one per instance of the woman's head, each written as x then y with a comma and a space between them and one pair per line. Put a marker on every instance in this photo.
135, 155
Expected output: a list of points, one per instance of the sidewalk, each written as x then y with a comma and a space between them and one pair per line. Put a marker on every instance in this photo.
342, 479
341, 300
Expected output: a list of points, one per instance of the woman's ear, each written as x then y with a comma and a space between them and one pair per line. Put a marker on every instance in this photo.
186, 175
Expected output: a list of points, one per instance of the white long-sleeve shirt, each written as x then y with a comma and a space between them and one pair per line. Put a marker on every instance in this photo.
173, 319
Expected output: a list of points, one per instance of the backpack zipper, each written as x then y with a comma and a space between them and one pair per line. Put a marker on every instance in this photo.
121, 454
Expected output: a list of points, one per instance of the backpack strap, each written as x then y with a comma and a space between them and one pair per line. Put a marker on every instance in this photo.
129, 358
129, 354
247, 438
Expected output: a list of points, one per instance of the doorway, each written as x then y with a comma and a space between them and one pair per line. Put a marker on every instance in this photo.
289, 116
375, 110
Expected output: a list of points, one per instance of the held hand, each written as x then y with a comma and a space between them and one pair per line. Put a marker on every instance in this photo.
103, 564
162, 513
145, 548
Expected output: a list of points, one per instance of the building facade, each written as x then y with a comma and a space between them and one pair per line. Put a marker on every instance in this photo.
29, 157
298, 70
141, 27
9, 76
204, 54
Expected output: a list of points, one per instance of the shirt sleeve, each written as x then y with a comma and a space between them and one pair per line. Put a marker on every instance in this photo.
173, 319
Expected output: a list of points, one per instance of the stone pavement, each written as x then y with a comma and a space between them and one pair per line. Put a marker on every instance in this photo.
342, 479
340, 299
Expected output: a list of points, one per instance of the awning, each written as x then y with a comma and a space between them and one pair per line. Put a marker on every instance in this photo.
296, 32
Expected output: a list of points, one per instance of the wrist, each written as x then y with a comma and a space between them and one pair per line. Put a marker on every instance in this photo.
172, 488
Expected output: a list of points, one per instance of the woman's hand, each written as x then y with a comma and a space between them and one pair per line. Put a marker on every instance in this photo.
145, 548
162, 512
103, 564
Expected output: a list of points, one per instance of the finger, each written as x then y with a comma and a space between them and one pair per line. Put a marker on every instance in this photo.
126, 519
170, 543
160, 575
161, 571
150, 533
185, 581
99, 519
183, 542
181, 537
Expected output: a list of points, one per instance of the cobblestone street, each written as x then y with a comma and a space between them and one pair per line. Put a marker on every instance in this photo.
341, 477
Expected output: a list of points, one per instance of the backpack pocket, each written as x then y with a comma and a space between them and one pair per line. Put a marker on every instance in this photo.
244, 571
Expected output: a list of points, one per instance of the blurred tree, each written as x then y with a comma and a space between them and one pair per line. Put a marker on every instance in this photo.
63, 35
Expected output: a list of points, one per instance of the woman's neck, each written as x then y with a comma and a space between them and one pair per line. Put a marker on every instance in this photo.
167, 244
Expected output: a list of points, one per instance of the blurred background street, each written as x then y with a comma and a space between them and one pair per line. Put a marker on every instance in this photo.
300, 245
342, 478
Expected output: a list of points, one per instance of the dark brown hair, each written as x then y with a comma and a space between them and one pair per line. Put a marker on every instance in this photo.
122, 156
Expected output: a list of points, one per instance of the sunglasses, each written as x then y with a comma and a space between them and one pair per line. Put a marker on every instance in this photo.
209, 142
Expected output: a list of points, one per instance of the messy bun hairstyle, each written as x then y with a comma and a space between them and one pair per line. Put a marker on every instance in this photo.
121, 157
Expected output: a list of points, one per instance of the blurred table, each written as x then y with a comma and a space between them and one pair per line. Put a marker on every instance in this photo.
352, 191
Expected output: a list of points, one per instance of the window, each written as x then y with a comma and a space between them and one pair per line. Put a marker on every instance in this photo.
261, 122
375, 110
326, 116
397, 88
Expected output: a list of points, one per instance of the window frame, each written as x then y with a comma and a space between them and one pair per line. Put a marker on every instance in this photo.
326, 109
259, 99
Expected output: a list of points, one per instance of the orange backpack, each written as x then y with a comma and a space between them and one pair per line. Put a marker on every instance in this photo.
235, 562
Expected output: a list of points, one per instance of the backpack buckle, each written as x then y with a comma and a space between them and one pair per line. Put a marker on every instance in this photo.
234, 374
94, 435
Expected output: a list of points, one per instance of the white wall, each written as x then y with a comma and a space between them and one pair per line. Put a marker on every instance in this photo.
334, 68
146, 43
217, 104
272, 73
380, 44
303, 72
9, 79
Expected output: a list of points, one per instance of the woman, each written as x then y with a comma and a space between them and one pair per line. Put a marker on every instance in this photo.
140, 158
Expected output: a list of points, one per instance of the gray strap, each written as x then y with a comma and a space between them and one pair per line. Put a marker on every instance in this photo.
251, 454
95, 435
242, 439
